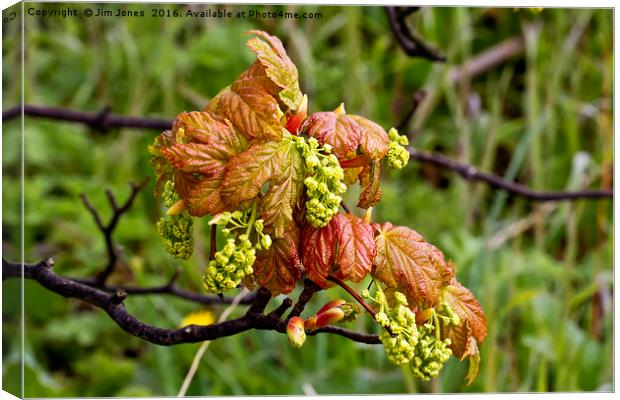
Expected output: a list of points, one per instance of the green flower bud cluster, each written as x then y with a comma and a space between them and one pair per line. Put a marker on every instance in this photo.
447, 315
234, 261
324, 183
397, 155
176, 230
431, 352
399, 333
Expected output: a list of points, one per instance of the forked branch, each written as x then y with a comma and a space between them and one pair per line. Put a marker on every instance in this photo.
112, 303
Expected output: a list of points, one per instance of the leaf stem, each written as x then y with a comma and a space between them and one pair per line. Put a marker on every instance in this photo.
353, 293
252, 219
213, 244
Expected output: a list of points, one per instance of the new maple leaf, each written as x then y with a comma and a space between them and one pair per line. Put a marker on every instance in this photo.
276, 162
279, 267
345, 247
198, 150
408, 263
472, 329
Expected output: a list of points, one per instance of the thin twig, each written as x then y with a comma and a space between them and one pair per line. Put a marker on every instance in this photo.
353, 293
213, 244
471, 173
310, 288
441, 161
101, 121
168, 289
108, 230
488, 59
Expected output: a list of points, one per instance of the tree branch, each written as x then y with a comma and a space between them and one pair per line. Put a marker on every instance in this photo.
409, 40
108, 230
466, 171
101, 121
113, 305
168, 289
473, 174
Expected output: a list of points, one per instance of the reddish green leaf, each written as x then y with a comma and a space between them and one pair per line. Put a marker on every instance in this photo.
338, 130
473, 324
278, 67
370, 178
161, 166
317, 251
355, 247
409, 263
474, 361
373, 138
276, 162
279, 267
201, 194
198, 149
283, 195
344, 247
249, 104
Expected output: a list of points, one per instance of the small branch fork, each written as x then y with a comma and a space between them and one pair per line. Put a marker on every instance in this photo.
409, 40
467, 171
254, 318
108, 229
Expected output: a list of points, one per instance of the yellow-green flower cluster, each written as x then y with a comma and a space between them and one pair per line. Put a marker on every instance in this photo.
234, 261
399, 333
430, 353
324, 182
176, 230
397, 155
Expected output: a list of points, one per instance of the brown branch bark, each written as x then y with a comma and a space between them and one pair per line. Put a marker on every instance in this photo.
101, 121
409, 40
112, 304
466, 171
108, 229
471, 173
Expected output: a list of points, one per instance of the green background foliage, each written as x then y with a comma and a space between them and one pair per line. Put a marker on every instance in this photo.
543, 272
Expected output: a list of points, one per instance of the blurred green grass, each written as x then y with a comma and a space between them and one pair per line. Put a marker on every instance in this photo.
542, 272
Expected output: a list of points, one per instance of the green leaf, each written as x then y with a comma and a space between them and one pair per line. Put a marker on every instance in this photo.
373, 138
276, 162
338, 130
474, 364
278, 67
408, 263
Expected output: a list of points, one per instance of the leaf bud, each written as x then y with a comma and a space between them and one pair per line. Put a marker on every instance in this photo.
295, 332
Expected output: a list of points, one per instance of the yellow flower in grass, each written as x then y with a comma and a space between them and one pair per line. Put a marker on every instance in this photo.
201, 317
